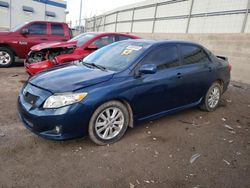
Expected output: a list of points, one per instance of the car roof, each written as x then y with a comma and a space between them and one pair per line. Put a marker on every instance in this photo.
112, 33
166, 41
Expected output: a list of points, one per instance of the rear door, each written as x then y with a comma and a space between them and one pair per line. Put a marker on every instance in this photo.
160, 91
196, 73
38, 33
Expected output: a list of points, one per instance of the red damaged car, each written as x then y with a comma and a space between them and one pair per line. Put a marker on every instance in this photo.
47, 55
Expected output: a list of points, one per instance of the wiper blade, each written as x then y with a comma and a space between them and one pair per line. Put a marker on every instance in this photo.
97, 66
94, 65
87, 64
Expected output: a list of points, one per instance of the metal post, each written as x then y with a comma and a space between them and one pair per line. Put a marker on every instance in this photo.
153, 27
132, 21
94, 27
80, 16
116, 20
245, 18
104, 24
189, 15
10, 24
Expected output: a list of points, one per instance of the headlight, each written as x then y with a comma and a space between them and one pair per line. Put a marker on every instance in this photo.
63, 99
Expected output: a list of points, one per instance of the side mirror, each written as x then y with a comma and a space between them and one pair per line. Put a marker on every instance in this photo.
92, 47
24, 31
148, 69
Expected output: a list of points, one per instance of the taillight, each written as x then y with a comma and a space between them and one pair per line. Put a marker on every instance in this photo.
229, 67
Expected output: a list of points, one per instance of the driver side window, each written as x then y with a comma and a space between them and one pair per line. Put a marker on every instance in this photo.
38, 29
103, 41
163, 57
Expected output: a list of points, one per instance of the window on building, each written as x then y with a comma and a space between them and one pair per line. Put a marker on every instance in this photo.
193, 54
38, 29
28, 9
163, 57
57, 29
4, 4
50, 14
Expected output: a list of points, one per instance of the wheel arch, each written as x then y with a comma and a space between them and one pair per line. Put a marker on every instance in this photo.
126, 104
221, 82
9, 47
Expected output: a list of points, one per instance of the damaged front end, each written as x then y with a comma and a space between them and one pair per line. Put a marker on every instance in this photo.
38, 61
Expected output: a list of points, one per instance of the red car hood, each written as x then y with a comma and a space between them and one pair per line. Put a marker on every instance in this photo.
4, 33
53, 45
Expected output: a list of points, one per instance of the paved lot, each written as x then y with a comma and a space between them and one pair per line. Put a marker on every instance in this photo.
155, 154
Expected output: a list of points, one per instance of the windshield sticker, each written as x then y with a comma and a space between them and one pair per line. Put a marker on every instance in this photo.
129, 49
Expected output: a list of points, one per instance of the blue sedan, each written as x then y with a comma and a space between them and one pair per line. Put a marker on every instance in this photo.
121, 85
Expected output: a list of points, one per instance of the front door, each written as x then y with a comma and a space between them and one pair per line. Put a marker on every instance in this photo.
161, 91
38, 33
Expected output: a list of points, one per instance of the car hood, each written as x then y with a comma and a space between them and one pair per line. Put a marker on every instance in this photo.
70, 77
4, 33
53, 45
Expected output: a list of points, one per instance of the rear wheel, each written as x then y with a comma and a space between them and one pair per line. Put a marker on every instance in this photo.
108, 123
212, 97
6, 57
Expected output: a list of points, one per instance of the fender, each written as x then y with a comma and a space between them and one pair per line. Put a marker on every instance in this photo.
68, 57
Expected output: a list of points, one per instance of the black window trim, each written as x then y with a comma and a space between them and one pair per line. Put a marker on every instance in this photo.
194, 45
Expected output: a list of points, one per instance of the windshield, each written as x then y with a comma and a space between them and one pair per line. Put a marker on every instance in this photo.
14, 29
117, 56
82, 38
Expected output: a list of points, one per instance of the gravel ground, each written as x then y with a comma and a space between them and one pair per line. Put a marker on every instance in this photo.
188, 149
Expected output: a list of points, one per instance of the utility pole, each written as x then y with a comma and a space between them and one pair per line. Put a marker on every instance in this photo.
80, 17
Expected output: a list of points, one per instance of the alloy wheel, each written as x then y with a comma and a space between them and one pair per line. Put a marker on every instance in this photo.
4, 58
214, 97
109, 123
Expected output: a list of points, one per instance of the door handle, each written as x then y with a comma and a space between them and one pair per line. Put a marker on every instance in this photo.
210, 69
179, 75
44, 39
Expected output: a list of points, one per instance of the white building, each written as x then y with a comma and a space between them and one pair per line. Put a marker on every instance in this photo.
15, 12
176, 16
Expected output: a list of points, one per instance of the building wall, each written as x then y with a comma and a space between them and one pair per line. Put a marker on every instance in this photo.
180, 16
15, 15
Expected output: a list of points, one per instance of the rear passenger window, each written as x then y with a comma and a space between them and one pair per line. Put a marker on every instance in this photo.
57, 29
193, 54
104, 41
120, 37
38, 29
163, 57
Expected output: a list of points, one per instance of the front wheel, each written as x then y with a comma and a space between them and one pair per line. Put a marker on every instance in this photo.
212, 97
6, 57
108, 123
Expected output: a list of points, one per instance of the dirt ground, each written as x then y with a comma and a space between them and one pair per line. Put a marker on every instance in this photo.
155, 154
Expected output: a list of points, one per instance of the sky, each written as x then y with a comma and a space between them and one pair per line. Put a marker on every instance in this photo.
93, 7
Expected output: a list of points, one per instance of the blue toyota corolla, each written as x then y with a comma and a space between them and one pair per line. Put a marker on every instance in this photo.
121, 85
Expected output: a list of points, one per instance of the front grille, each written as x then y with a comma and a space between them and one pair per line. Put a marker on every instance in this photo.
30, 98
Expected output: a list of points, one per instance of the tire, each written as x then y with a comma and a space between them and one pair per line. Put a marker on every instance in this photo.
118, 125
7, 57
212, 98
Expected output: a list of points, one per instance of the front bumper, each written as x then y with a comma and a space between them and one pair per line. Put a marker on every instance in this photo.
35, 68
73, 120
